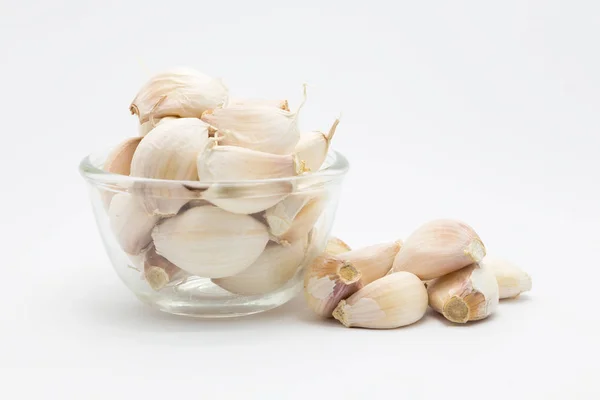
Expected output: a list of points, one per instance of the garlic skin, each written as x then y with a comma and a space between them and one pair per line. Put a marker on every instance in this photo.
118, 161
158, 271
247, 198
393, 301
168, 152
312, 147
438, 248
209, 242
327, 281
147, 126
336, 246
373, 261
248, 102
512, 280
469, 294
256, 127
231, 163
273, 269
178, 92
295, 216
130, 224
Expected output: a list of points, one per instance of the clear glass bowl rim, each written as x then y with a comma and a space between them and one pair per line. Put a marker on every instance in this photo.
336, 167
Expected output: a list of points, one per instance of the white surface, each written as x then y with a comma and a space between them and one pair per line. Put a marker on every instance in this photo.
483, 111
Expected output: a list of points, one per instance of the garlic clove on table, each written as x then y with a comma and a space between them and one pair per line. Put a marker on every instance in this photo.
373, 261
178, 92
469, 294
438, 248
393, 301
512, 280
327, 281
209, 242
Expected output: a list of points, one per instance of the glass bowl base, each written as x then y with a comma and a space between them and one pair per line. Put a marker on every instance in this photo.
203, 299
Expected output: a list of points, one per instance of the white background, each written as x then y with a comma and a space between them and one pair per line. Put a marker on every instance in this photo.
478, 110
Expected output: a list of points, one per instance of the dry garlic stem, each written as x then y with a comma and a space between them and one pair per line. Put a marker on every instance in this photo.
373, 261
130, 223
469, 294
274, 268
256, 127
209, 242
336, 246
313, 147
438, 248
178, 92
393, 301
231, 163
158, 271
327, 281
512, 280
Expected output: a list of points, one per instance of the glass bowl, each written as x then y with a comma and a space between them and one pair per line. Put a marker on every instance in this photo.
216, 249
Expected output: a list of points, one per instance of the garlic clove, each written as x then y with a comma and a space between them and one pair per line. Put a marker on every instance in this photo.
336, 246
512, 280
158, 271
246, 102
178, 92
256, 127
209, 242
130, 223
327, 281
119, 162
312, 147
393, 301
247, 198
295, 216
373, 261
438, 248
168, 152
469, 294
231, 163
273, 269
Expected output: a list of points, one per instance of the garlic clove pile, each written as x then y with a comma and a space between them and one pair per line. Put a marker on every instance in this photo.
438, 248
295, 216
247, 198
130, 223
232, 163
179, 92
327, 281
256, 127
512, 280
274, 268
209, 242
158, 271
169, 152
390, 302
469, 294
336, 246
312, 147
